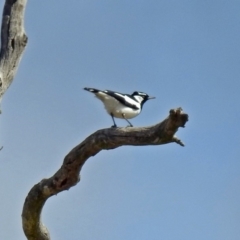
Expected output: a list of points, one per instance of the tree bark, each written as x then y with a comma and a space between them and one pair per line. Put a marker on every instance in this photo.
68, 174
13, 41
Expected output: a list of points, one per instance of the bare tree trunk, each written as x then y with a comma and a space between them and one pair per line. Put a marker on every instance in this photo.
13, 41
68, 174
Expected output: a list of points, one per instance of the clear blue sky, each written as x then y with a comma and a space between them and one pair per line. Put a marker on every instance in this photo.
186, 53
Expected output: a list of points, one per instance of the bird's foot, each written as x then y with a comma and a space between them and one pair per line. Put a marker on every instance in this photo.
114, 126
130, 125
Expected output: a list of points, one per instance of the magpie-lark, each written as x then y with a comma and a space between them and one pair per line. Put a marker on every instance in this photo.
121, 105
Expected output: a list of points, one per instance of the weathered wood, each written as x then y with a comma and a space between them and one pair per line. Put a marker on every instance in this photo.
68, 174
13, 41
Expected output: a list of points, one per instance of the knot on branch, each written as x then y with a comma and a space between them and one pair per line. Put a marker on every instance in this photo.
178, 117
24, 40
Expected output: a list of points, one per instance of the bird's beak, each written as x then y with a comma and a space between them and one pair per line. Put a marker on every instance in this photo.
151, 98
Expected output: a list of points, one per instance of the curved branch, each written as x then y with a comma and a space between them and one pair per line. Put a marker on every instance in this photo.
68, 174
13, 41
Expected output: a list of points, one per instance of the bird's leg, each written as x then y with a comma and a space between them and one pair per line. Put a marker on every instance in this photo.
130, 125
114, 126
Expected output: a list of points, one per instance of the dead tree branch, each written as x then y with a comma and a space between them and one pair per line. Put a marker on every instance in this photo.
13, 41
68, 174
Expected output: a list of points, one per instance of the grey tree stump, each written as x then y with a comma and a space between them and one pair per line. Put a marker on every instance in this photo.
13, 42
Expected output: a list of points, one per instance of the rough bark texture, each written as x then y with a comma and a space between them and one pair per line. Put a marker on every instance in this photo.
68, 174
13, 41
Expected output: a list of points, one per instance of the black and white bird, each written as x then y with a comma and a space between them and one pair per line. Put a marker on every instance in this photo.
119, 105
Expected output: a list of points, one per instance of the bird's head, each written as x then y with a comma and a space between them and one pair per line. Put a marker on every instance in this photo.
141, 97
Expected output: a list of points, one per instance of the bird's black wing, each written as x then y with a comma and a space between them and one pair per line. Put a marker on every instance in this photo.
122, 98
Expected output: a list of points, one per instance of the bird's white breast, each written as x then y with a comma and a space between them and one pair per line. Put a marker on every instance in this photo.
116, 108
